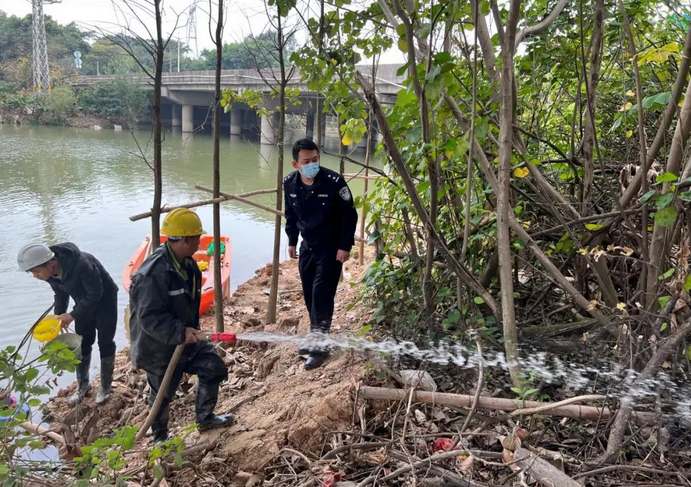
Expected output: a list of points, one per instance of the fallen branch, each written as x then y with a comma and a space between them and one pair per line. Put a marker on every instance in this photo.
415, 463
500, 404
616, 435
541, 470
41, 431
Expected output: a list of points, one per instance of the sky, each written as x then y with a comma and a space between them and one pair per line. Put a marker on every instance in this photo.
243, 17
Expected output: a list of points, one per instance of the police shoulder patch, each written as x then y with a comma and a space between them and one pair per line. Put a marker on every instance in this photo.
344, 193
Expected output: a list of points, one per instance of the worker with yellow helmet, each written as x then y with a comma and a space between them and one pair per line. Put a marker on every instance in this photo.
164, 301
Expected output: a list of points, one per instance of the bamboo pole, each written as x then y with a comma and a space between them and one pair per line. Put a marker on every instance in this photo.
195, 204
242, 199
361, 176
499, 404
229, 197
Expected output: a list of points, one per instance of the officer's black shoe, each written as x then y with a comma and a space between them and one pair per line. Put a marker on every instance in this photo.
316, 360
304, 350
216, 421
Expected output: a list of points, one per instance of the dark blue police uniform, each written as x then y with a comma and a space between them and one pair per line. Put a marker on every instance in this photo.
325, 216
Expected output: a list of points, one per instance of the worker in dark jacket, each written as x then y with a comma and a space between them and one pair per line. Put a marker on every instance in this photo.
164, 299
79, 275
319, 206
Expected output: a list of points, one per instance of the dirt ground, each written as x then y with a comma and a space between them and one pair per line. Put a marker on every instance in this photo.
277, 403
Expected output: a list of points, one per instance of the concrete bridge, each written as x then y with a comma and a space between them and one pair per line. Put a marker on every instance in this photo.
188, 99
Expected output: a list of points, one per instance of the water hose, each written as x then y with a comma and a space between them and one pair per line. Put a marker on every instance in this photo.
204, 336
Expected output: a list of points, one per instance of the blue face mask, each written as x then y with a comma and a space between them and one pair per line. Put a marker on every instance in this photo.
310, 170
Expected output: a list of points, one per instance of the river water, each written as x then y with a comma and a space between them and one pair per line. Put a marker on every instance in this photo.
81, 185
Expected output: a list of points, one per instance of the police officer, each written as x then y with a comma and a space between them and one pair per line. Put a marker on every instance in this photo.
319, 206
79, 275
164, 299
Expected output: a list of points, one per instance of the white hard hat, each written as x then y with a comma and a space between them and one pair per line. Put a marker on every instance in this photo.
33, 255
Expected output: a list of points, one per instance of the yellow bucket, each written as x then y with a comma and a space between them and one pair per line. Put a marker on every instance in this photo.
47, 329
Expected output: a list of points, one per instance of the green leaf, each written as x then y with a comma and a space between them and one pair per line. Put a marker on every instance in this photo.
667, 177
402, 70
158, 472
646, 197
442, 57
666, 217
423, 186
405, 97
663, 300
666, 275
4, 469
664, 326
34, 403
593, 227
424, 31
31, 374
454, 316
373, 237
479, 300
688, 353
687, 283
656, 101
664, 200
178, 460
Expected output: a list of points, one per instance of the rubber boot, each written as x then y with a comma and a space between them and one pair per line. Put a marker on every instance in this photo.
107, 365
83, 385
207, 396
159, 428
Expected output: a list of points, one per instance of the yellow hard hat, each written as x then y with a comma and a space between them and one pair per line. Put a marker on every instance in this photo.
182, 222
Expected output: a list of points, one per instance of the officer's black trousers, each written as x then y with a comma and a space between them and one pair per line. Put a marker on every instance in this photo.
205, 363
319, 273
105, 322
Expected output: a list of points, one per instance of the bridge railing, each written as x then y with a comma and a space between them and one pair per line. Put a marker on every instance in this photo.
386, 74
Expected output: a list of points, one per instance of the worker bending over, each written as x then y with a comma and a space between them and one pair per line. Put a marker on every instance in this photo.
79, 275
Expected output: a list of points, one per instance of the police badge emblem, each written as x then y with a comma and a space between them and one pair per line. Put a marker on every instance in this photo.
344, 193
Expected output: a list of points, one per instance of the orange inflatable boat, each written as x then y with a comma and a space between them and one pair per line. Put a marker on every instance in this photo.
204, 260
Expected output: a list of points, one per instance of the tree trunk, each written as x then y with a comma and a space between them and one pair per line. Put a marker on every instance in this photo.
591, 102
508, 310
157, 128
660, 234
218, 284
273, 295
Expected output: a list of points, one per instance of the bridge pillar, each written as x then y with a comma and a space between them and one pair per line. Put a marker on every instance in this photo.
235, 121
187, 118
269, 125
309, 124
176, 118
312, 120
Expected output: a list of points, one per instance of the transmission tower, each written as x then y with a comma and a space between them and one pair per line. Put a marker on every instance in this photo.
40, 52
192, 28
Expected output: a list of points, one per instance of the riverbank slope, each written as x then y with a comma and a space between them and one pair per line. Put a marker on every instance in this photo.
278, 404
